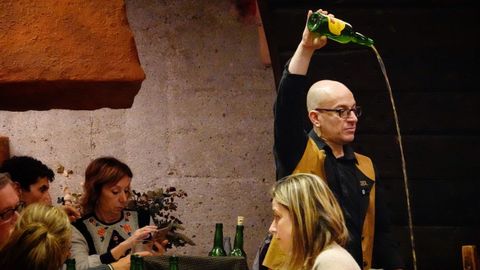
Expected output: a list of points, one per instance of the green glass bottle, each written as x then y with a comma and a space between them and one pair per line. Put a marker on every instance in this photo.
336, 29
217, 249
173, 263
70, 264
140, 263
133, 262
238, 242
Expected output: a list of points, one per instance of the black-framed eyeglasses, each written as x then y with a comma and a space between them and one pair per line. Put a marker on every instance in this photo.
343, 113
8, 214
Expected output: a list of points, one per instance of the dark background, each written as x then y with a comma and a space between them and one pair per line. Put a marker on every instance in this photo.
430, 50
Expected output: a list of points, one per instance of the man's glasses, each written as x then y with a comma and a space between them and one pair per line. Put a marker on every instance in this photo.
343, 113
8, 214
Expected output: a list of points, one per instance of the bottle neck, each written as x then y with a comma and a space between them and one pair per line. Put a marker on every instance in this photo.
361, 39
173, 263
238, 243
70, 264
133, 262
218, 240
140, 263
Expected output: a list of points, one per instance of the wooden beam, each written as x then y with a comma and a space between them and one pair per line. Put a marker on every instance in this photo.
4, 149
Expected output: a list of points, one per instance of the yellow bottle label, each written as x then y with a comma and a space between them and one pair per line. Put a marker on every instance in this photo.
335, 26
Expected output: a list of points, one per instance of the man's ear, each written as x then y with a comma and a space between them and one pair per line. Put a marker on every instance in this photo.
313, 115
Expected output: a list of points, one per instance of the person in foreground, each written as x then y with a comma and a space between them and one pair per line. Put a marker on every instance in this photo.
10, 206
322, 146
308, 225
40, 240
108, 231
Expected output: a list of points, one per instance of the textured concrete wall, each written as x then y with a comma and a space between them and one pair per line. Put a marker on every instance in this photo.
201, 122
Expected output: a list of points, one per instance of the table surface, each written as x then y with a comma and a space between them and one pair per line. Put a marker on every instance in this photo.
197, 263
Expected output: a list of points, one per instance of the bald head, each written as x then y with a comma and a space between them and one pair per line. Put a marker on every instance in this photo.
324, 94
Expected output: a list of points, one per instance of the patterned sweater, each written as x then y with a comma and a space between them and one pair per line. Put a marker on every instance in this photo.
93, 239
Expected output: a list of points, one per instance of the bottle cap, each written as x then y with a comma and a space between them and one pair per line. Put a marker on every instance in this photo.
240, 220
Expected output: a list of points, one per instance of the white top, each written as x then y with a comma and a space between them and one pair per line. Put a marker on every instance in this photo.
335, 257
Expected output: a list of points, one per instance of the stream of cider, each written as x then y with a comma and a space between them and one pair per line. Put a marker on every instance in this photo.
404, 165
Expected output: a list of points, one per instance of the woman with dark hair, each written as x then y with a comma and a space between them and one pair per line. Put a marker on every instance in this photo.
107, 231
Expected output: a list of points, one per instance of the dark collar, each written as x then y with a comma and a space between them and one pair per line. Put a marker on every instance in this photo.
348, 153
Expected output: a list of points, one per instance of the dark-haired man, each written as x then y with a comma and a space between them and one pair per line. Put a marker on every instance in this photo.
31, 177
32, 181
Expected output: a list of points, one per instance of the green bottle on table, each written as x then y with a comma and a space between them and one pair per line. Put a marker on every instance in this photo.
217, 249
336, 29
140, 263
70, 264
238, 242
133, 262
173, 263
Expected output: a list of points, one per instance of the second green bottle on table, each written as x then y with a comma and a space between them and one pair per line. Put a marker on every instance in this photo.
136, 262
140, 263
173, 263
70, 264
336, 29
217, 249
238, 242
133, 261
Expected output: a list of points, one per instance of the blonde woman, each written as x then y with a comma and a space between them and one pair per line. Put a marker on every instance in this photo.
39, 241
309, 225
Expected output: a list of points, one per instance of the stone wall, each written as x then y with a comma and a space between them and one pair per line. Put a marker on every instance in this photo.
202, 121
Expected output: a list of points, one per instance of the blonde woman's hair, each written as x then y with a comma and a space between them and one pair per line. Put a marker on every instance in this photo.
317, 218
39, 241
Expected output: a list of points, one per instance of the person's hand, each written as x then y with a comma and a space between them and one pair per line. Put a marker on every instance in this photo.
72, 213
121, 249
160, 247
312, 40
141, 234
122, 264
